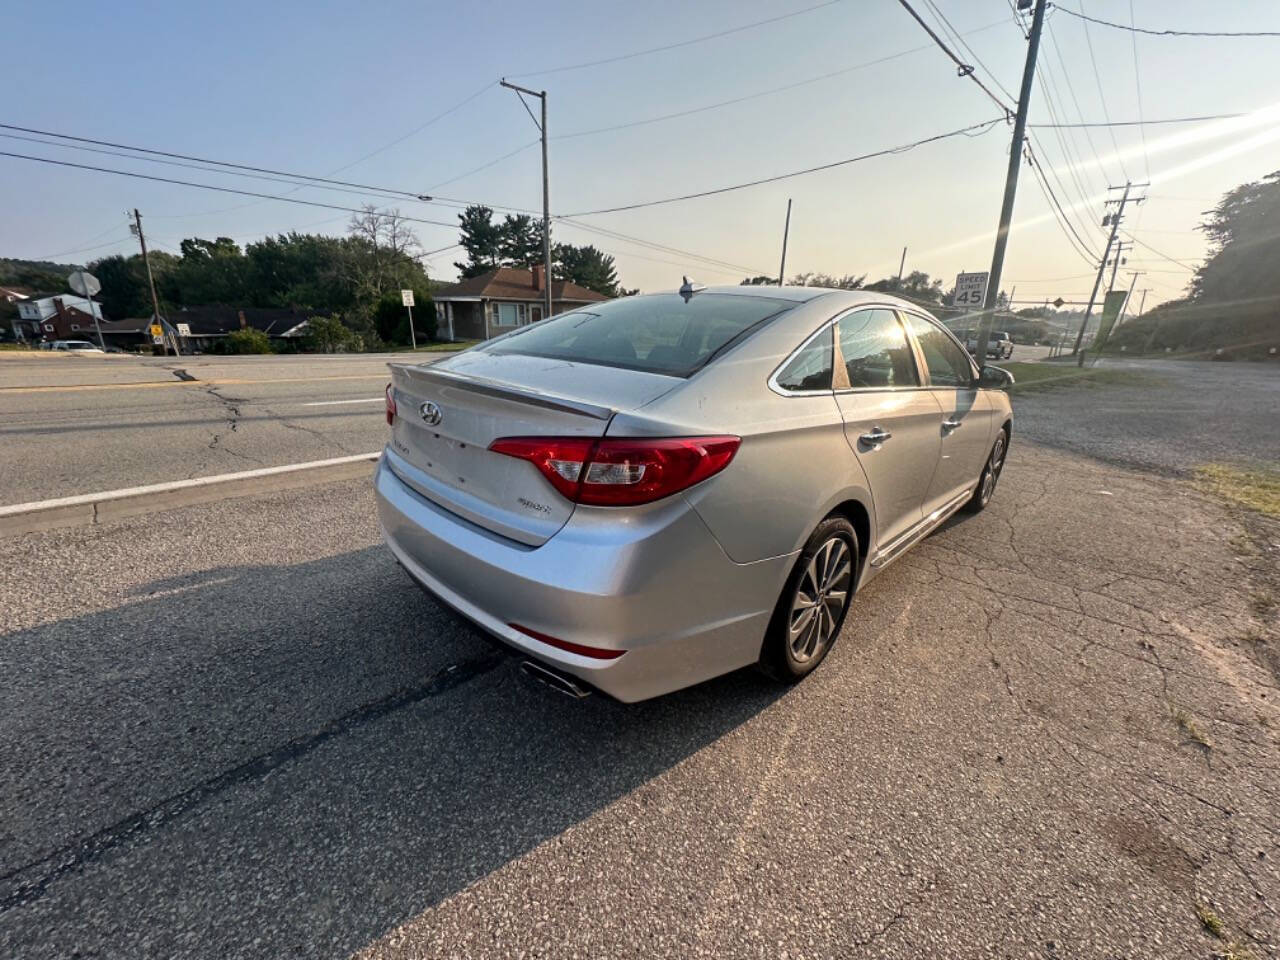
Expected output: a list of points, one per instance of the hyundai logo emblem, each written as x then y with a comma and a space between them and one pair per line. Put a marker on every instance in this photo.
430, 413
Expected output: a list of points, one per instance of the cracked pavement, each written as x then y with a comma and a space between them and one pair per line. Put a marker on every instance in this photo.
73, 425
238, 730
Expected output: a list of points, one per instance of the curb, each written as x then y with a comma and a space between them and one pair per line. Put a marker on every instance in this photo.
93, 508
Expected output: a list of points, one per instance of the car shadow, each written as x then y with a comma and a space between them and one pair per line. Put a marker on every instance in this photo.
292, 760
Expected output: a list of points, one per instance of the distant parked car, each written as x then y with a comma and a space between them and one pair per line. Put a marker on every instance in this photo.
642, 494
76, 346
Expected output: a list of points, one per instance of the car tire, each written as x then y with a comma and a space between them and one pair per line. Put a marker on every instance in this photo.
827, 567
990, 475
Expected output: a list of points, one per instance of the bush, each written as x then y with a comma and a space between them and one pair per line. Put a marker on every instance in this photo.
329, 335
247, 340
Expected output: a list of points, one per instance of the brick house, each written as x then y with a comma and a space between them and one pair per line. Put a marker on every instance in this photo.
55, 316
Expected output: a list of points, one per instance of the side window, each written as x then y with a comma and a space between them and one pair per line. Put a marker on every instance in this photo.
948, 363
810, 369
872, 351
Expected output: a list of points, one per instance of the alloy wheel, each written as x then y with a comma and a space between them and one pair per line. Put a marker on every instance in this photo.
992, 473
820, 598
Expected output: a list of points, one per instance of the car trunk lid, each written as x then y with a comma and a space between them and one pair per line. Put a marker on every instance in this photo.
450, 412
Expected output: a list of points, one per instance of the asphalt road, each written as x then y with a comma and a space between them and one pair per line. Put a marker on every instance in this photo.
1176, 415
237, 730
82, 424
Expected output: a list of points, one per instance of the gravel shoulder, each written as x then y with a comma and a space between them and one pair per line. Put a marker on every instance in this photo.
1047, 731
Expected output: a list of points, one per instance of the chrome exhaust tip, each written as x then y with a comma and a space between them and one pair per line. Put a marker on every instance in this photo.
557, 681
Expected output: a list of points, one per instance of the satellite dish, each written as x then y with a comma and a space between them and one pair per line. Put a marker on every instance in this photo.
84, 283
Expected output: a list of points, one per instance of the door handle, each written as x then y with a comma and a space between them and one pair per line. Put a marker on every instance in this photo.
875, 436
951, 424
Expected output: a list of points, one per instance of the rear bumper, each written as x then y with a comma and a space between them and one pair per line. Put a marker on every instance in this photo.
656, 585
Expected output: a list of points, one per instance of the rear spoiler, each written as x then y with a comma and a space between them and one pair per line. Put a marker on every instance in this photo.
429, 376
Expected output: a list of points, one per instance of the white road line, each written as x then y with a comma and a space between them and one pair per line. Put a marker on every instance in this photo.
158, 488
336, 403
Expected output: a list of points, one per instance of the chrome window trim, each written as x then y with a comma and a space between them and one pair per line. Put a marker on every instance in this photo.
828, 325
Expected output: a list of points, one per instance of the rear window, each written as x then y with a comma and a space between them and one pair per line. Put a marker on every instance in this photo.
659, 333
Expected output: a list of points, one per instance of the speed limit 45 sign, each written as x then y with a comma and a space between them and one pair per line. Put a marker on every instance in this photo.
971, 289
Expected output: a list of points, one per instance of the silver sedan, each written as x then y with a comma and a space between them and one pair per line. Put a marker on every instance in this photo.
646, 493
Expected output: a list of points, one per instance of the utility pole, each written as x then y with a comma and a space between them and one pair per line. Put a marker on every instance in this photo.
782, 267
151, 280
1142, 304
1116, 258
901, 264
1011, 181
1114, 220
546, 190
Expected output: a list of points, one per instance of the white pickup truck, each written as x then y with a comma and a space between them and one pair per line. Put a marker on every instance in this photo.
999, 346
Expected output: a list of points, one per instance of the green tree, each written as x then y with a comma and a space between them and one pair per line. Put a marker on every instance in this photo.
587, 267
210, 271
759, 281
520, 240
481, 239
917, 285
1244, 235
125, 292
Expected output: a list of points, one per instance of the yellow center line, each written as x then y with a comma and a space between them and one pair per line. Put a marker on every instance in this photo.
70, 388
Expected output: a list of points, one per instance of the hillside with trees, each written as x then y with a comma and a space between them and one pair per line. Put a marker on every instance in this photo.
1234, 299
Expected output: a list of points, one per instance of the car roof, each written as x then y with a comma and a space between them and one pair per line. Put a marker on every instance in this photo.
805, 294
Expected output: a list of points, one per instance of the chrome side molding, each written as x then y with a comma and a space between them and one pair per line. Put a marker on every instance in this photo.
898, 546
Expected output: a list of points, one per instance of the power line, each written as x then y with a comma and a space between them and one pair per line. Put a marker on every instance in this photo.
762, 93
653, 245
959, 40
1102, 98
486, 166
1167, 33
1072, 159
96, 246
382, 194
1080, 172
1031, 135
1071, 89
673, 46
1137, 86
971, 130
209, 163
247, 170
1160, 254
1135, 123
209, 186
965, 70
1060, 216
1078, 276
418, 129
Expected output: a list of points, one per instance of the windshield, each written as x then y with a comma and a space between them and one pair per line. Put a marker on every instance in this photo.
661, 333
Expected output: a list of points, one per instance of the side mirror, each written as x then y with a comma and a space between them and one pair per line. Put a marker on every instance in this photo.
995, 378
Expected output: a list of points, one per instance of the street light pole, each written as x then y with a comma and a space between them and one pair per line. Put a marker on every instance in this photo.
1011, 181
546, 189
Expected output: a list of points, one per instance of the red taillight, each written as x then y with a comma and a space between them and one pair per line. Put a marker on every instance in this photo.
582, 650
391, 404
616, 472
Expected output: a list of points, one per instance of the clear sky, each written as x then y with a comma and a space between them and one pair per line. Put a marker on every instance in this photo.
314, 87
